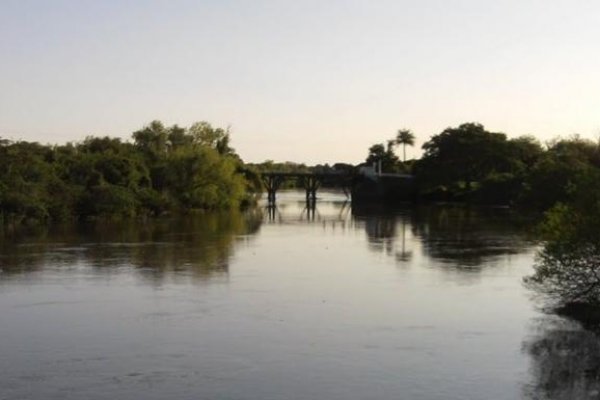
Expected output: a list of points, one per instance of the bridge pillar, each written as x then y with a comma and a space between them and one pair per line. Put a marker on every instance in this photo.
272, 184
311, 209
311, 185
310, 181
272, 212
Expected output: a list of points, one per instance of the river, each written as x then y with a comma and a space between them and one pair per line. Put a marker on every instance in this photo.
330, 303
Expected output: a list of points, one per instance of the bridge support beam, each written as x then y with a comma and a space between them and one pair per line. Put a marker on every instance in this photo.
311, 182
311, 185
272, 184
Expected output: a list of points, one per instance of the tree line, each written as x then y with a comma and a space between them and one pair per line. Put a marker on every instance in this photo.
173, 169
560, 179
162, 170
169, 169
470, 163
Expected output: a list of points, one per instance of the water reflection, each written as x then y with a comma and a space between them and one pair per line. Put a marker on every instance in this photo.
381, 228
292, 209
565, 361
361, 303
199, 246
458, 236
468, 237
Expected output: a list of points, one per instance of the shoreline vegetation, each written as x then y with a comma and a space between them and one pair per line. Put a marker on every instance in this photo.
163, 170
175, 170
166, 170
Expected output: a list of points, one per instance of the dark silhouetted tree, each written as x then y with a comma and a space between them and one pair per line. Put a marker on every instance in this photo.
463, 155
378, 153
405, 137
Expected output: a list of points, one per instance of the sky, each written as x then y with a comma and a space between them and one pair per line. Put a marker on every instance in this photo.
304, 81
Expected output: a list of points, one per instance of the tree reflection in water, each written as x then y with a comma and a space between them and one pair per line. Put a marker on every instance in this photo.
565, 362
198, 246
468, 237
383, 227
459, 236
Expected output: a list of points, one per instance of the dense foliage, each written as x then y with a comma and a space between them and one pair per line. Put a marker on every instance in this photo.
561, 179
174, 169
383, 157
568, 266
164, 169
469, 162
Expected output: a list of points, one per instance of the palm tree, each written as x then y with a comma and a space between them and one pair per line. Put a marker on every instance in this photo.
405, 137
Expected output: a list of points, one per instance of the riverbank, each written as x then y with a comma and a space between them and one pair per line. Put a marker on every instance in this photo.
586, 314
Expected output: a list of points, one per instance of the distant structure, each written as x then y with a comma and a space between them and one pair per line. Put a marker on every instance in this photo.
366, 184
374, 186
311, 181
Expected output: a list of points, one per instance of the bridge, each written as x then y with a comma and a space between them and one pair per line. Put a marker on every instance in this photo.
311, 181
367, 184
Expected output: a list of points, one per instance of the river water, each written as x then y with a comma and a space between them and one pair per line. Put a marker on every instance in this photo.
331, 303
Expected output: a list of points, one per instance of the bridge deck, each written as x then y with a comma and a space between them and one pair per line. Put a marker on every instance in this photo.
312, 181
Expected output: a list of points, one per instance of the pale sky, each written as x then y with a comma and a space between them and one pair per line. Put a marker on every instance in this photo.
306, 81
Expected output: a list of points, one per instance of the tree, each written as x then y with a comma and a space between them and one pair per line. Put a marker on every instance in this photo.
525, 151
378, 153
405, 137
204, 179
568, 266
463, 155
178, 137
152, 139
556, 173
164, 169
217, 138
101, 145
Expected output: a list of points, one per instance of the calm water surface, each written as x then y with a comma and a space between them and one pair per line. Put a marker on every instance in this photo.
335, 303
